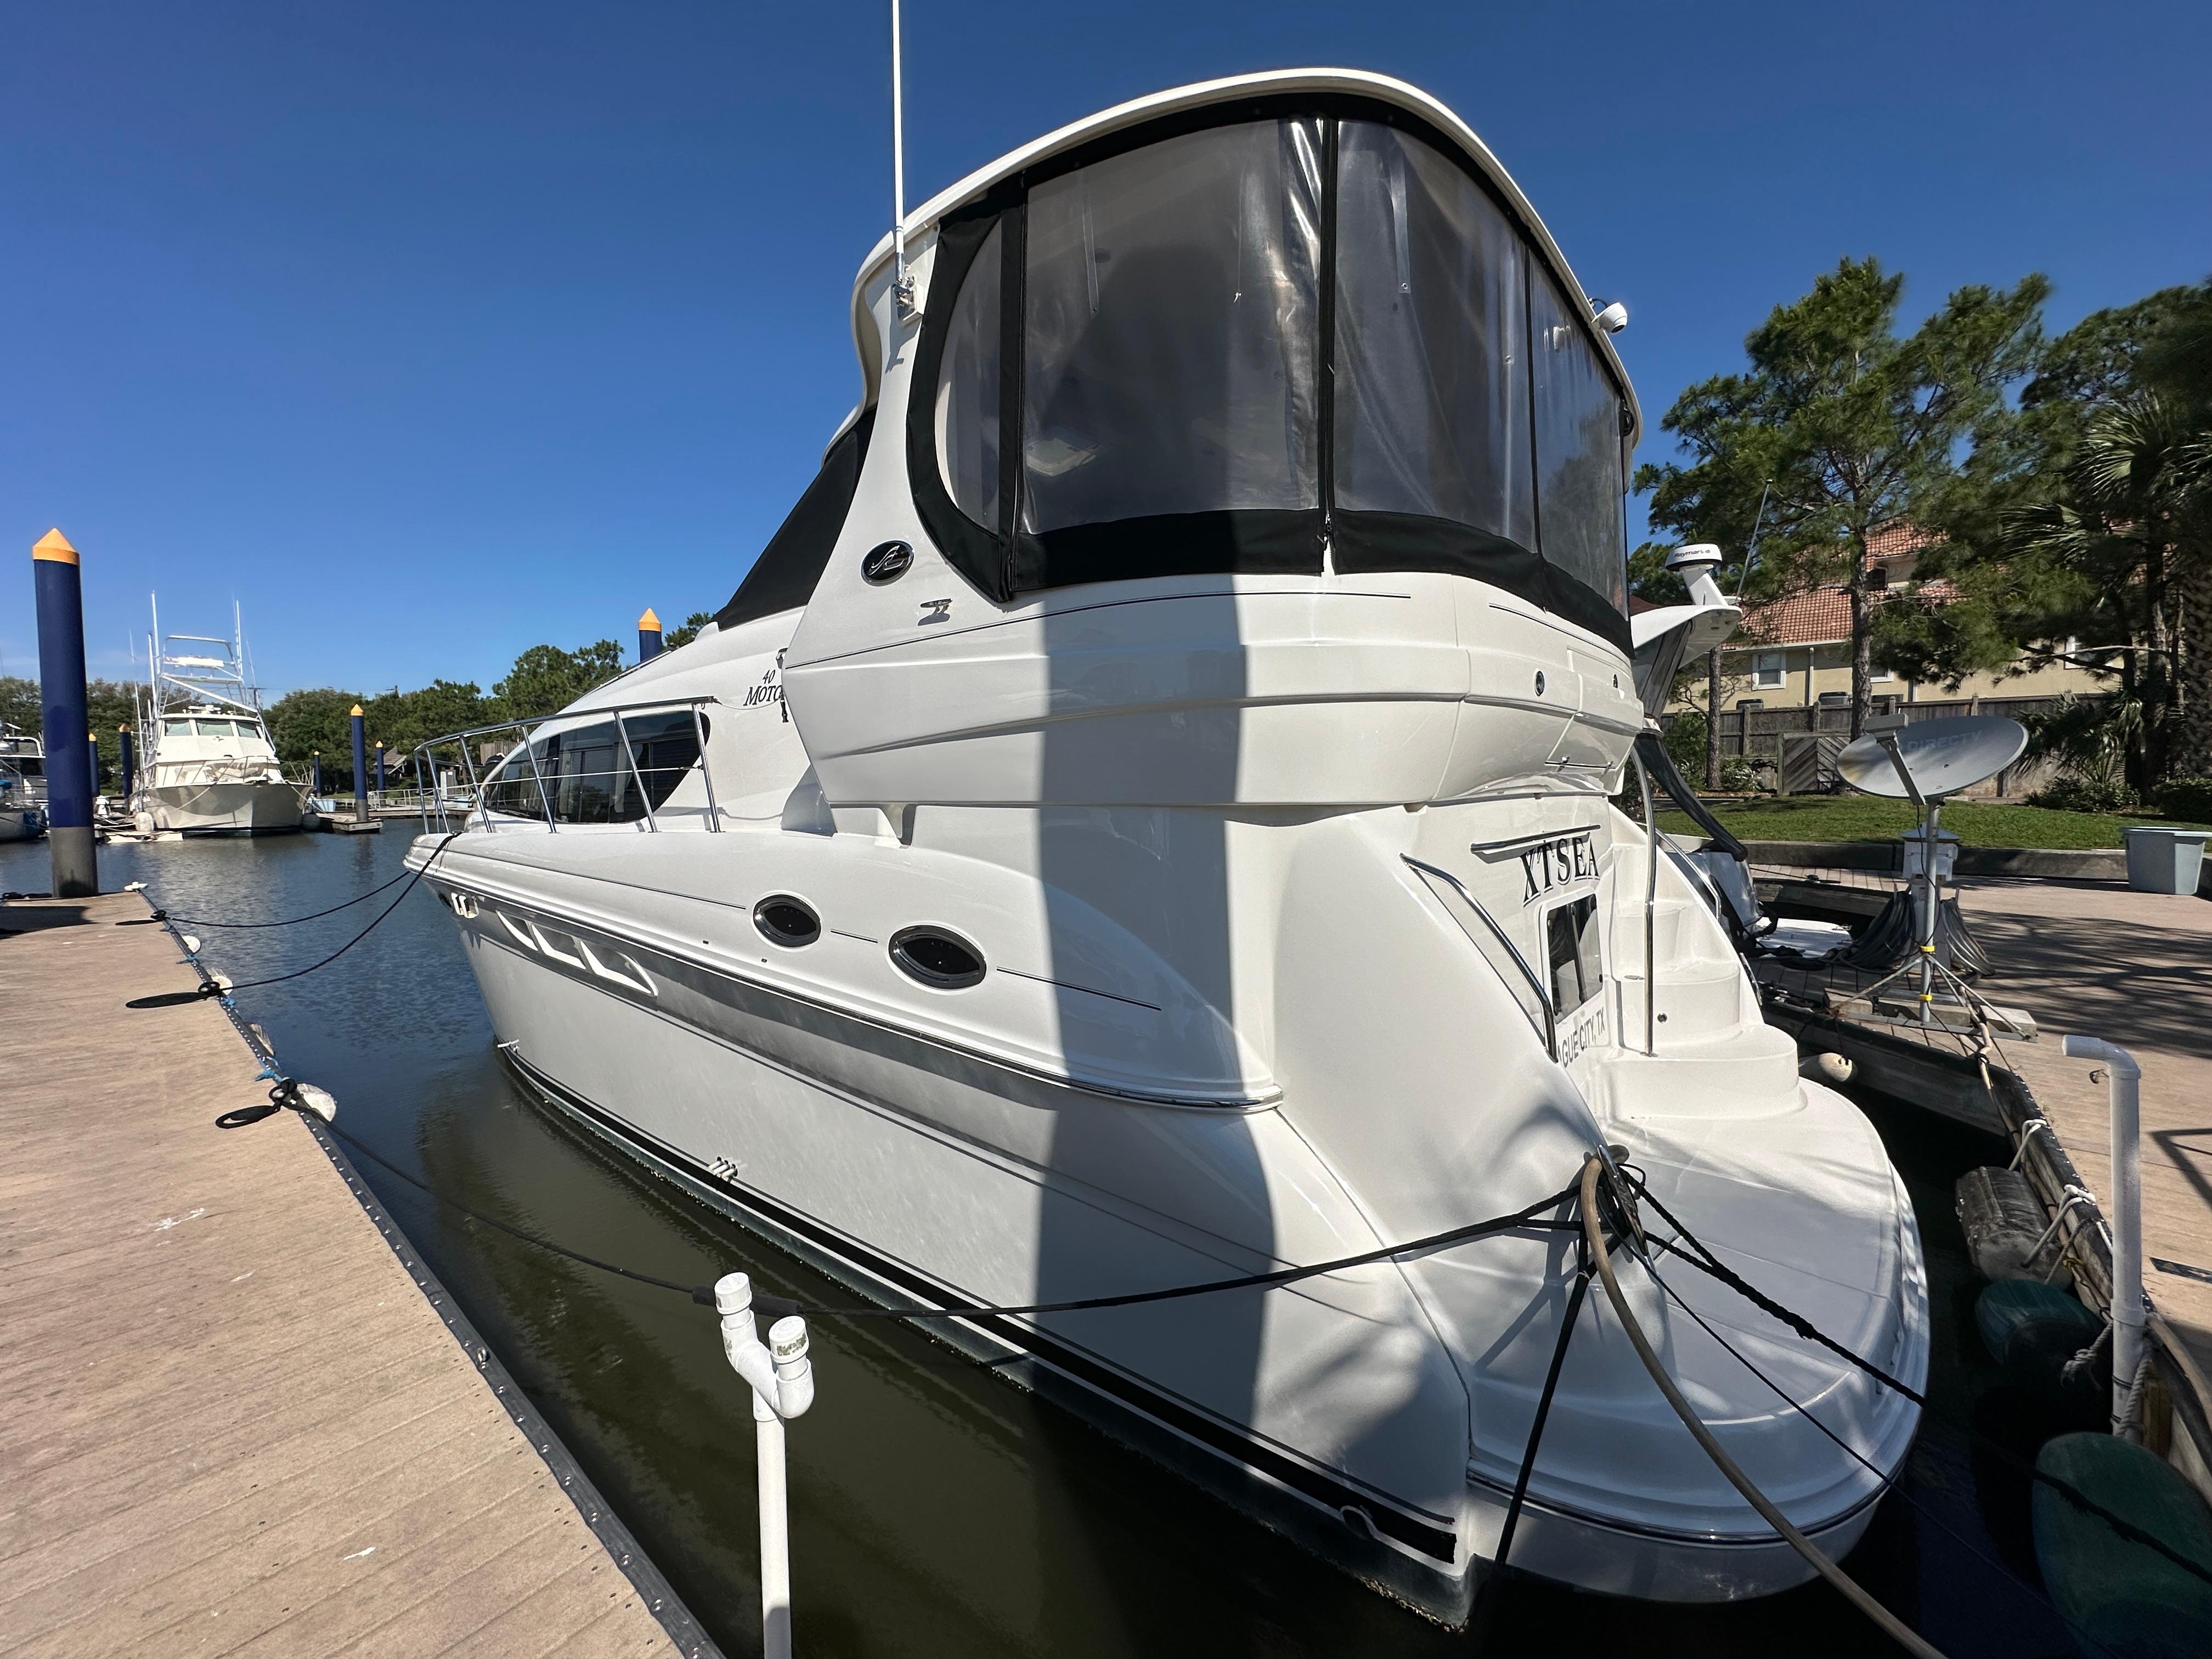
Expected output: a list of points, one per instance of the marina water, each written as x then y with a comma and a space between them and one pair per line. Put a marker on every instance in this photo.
935, 1509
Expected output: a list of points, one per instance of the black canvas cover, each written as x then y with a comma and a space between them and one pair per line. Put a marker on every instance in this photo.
783, 578
1245, 338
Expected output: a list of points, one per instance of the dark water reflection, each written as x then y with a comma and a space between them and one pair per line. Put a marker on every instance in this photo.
935, 1510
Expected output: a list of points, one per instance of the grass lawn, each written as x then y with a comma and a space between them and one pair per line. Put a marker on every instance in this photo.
1866, 817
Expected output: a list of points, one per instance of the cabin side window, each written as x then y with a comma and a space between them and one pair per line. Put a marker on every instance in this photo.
585, 777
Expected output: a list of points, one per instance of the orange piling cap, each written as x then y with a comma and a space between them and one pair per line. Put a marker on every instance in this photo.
356, 708
54, 546
649, 623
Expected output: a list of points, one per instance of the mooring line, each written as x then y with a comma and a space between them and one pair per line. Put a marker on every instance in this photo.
284, 1094
216, 988
1706, 1262
2006, 1575
313, 915
1897, 1629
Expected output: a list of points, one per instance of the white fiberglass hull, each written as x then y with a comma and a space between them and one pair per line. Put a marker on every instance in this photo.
260, 808
1334, 1411
22, 823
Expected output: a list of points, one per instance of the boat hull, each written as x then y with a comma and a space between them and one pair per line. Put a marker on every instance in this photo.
898, 1201
223, 809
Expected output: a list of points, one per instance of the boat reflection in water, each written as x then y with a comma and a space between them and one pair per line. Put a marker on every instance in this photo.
1145, 819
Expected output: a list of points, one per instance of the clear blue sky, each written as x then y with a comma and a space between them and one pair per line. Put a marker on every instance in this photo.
431, 331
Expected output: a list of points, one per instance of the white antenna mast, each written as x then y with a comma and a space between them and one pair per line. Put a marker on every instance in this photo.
901, 279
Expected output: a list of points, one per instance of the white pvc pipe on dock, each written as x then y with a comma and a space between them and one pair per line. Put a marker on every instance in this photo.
774, 1533
2123, 1087
783, 1381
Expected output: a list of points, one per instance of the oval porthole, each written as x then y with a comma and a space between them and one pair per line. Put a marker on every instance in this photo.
941, 960
886, 563
785, 920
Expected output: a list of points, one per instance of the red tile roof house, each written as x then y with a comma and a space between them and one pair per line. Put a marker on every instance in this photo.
1788, 669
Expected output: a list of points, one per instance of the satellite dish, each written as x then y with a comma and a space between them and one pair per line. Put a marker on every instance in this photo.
1943, 756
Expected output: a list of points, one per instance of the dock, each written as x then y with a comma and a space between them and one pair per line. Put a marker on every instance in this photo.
240, 1415
2080, 955
2133, 969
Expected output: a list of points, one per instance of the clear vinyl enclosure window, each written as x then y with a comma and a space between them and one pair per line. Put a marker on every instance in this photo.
968, 389
1166, 348
1578, 450
1170, 327
1432, 392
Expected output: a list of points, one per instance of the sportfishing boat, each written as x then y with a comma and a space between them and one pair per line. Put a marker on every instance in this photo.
22, 785
210, 768
1145, 819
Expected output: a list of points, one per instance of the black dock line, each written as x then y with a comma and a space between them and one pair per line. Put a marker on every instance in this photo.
213, 988
1710, 1265
313, 915
1850, 1587
285, 1094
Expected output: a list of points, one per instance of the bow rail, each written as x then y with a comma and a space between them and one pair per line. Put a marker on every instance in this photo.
623, 763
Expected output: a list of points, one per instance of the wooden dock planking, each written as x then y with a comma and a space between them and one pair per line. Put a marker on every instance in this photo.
2133, 969
234, 1423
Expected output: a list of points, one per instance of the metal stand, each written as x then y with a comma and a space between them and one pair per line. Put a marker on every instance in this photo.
1927, 968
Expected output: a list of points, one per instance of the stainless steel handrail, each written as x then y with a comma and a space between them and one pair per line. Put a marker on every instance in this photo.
1650, 910
425, 755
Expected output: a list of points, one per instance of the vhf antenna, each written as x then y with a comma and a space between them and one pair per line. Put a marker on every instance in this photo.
1744, 575
902, 278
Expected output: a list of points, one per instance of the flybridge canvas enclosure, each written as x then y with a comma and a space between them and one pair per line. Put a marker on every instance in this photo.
783, 577
1241, 335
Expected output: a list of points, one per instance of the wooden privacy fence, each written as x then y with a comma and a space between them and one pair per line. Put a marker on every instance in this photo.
1796, 745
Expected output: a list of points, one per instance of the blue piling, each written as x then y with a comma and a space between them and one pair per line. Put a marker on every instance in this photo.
92, 744
649, 638
379, 771
359, 764
62, 698
315, 774
126, 777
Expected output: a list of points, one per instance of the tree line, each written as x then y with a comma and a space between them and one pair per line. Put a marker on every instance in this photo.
2064, 484
543, 678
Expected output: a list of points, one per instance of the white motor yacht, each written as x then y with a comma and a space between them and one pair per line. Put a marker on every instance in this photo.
207, 764
22, 785
1145, 819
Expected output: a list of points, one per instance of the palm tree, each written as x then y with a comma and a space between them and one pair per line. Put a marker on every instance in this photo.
2134, 512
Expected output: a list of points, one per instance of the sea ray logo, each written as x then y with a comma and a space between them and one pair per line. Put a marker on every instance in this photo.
1560, 862
770, 689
